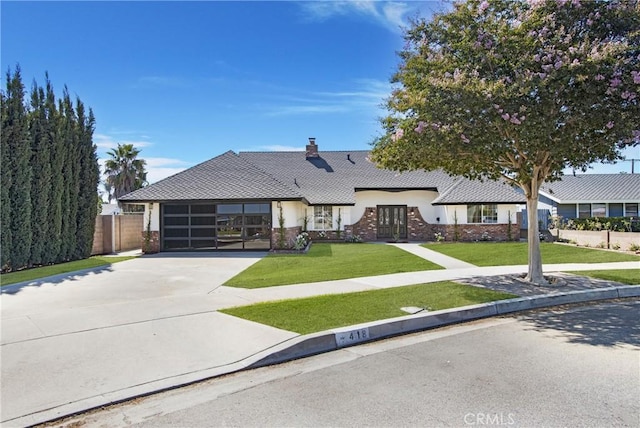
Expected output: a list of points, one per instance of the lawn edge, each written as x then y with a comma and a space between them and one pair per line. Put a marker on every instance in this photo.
325, 341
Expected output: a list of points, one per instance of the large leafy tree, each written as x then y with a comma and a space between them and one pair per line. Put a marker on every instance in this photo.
125, 172
517, 91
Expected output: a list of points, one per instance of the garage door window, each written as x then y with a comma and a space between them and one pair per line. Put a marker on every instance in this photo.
216, 226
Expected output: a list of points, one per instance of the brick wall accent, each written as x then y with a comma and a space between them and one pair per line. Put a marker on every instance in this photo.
417, 227
329, 235
366, 227
290, 234
154, 242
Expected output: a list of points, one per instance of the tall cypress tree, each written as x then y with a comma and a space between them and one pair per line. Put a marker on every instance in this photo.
41, 180
5, 201
89, 176
70, 174
54, 119
17, 134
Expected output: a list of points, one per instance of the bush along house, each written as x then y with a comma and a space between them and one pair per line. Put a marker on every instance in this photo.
263, 200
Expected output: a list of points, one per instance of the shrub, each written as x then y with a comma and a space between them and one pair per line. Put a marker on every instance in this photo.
301, 241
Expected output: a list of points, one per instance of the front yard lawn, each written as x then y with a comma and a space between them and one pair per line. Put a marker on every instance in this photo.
624, 276
44, 271
326, 262
320, 313
515, 253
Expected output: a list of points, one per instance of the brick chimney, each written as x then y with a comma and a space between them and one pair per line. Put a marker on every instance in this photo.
312, 149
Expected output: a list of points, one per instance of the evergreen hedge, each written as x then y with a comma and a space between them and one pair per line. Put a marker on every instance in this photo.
50, 175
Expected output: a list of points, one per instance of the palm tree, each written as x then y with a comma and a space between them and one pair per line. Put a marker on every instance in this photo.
125, 173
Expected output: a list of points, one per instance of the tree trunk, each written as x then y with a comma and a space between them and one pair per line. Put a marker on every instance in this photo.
534, 274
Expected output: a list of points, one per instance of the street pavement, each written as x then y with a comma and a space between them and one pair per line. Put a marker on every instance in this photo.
79, 341
572, 366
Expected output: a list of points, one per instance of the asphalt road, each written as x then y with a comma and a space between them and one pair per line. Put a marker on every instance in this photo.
576, 366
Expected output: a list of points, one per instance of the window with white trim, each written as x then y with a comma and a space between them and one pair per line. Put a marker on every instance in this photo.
598, 210
631, 210
322, 217
482, 213
584, 210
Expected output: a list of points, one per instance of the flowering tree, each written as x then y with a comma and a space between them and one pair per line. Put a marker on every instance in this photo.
518, 91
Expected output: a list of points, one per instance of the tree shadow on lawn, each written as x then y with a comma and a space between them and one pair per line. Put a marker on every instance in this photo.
609, 324
55, 279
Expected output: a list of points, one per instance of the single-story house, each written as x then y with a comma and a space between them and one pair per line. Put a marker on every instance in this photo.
243, 201
592, 195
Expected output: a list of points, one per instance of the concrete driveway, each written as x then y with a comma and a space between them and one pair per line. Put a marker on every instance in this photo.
68, 342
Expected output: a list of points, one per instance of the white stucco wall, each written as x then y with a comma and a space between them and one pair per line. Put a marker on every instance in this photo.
152, 208
292, 211
461, 210
411, 198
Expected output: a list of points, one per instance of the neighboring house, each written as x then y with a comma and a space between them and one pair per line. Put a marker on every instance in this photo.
592, 195
237, 201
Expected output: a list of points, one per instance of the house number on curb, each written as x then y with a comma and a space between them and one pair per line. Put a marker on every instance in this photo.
347, 338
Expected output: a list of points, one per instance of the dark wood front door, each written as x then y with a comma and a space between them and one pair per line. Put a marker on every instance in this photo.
392, 221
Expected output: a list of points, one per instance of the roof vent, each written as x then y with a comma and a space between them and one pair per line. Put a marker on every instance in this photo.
312, 149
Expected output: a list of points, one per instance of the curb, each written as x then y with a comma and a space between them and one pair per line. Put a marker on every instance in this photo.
331, 340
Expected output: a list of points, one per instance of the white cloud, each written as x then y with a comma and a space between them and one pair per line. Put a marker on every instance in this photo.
365, 94
157, 168
280, 148
161, 162
160, 168
390, 15
306, 109
107, 142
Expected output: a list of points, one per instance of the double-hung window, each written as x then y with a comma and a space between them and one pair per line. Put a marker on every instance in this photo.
482, 213
322, 217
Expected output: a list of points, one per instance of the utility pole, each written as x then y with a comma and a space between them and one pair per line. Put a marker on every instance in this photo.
633, 164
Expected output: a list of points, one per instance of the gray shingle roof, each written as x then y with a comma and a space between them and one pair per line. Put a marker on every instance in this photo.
225, 177
473, 192
594, 188
331, 179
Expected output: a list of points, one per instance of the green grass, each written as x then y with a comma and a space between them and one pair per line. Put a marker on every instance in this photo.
325, 262
624, 276
44, 271
515, 253
338, 310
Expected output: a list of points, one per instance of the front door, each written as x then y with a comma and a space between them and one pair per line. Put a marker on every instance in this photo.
392, 222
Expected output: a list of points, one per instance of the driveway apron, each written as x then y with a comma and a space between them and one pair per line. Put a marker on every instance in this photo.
139, 321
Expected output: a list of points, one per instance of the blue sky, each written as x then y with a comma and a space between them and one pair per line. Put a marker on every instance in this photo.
186, 81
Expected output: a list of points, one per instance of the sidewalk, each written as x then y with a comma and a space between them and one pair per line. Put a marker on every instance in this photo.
144, 325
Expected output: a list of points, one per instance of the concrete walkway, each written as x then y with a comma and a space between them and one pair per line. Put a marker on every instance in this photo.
434, 256
84, 340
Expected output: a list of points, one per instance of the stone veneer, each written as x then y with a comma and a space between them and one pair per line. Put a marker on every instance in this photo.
154, 242
419, 230
290, 234
366, 227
